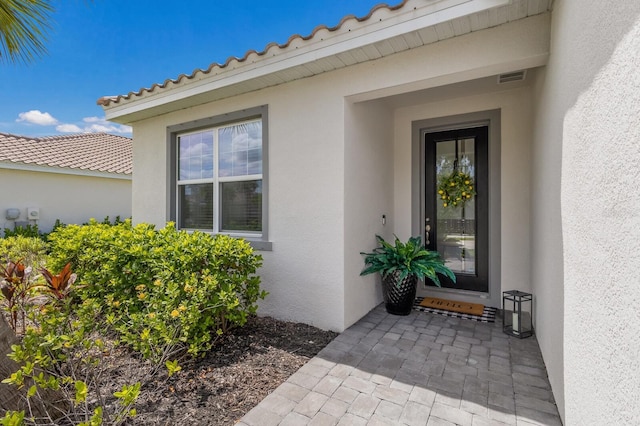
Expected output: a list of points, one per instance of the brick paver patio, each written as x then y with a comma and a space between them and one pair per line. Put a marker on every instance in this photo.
422, 369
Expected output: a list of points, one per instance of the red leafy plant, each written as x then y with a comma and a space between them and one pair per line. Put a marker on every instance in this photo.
59, 285
15, 286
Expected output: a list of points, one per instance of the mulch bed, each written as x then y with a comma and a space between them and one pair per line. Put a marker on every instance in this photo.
236, 375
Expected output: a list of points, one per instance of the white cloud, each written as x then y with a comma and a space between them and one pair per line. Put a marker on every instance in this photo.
68, 128
37, 117
88, 124
94, 120
110, 128
94, 125
98, 124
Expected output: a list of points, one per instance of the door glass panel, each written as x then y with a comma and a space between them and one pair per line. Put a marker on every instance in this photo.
456, 223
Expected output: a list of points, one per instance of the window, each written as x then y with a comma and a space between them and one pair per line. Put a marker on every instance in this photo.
219, 179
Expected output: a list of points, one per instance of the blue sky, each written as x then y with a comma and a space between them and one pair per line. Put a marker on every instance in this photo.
112, 47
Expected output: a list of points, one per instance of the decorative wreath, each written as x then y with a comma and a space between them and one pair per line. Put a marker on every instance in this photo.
456, 189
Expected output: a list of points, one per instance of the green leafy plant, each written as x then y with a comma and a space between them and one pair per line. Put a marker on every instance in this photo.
13, 418
15, 287
172, 367
456, 188
23, 231
410, 258
162, 290
62, 368
59, 285
32, 250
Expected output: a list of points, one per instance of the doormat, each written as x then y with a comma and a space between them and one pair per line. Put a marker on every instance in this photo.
424, 304
453, 305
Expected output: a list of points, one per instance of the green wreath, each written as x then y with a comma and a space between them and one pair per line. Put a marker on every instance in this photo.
456, 189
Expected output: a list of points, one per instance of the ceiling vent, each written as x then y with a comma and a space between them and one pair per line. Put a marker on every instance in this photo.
512, 76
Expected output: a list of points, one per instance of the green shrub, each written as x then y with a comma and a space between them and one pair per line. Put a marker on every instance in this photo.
162, 290
62, 369
31, 250
23, 231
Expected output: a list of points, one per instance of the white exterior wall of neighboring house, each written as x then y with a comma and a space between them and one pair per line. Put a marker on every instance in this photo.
331, 168
586, 210
72, 198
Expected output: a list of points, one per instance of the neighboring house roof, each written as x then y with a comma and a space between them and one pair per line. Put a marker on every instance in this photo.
386, 30
87, 153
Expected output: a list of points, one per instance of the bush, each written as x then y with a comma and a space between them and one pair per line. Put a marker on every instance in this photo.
23, 231
31, 250
162, 290
62, 374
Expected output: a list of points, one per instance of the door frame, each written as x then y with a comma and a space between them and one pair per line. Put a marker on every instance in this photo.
491, 119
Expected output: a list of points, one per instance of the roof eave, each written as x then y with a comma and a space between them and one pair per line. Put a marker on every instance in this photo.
11, 165
247, 77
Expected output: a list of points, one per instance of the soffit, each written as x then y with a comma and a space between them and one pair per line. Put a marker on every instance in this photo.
464, 89
385, 31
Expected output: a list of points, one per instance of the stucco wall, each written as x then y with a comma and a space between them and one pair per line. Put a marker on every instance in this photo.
304, 272
515, 106
328, 147
587, 209
368, 196
70, 198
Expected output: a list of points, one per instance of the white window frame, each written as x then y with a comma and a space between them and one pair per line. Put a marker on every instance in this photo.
216, 181
259, 240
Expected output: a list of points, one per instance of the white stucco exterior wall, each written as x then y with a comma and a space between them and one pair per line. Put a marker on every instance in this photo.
70, 198
368, 196
304, 272
588, 115
328, 148
515, 106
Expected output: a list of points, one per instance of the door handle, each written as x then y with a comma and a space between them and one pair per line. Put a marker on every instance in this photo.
427, 229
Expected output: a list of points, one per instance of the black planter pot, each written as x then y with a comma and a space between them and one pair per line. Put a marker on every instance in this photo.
399, 295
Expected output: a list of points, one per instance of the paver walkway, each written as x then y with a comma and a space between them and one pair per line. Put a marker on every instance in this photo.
422, 369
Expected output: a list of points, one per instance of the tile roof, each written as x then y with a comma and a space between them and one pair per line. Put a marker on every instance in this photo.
106, 100
240, 70
98, 152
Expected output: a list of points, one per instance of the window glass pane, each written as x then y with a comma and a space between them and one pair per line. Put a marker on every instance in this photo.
196, 156
241, 208
207, 167
195, 209
239, 159
207, 143
255, 161
225, 140
244, 143
225, 164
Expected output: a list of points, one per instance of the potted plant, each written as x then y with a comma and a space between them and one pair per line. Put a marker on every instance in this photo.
401, 265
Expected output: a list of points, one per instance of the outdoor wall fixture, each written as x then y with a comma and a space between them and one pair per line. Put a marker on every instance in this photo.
12, 214
517, 308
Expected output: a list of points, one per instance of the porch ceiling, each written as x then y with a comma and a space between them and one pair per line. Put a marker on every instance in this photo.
467, 88
387, 30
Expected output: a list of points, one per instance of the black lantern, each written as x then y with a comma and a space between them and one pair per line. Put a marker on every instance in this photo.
517, 310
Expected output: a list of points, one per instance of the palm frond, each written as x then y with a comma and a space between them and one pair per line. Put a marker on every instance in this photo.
24, 25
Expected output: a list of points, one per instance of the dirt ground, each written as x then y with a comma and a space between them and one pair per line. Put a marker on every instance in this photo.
235, 376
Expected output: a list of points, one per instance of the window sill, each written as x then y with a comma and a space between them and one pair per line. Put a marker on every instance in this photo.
260, 245
255, 242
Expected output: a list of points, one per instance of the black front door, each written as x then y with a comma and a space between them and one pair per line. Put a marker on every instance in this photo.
456, 204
